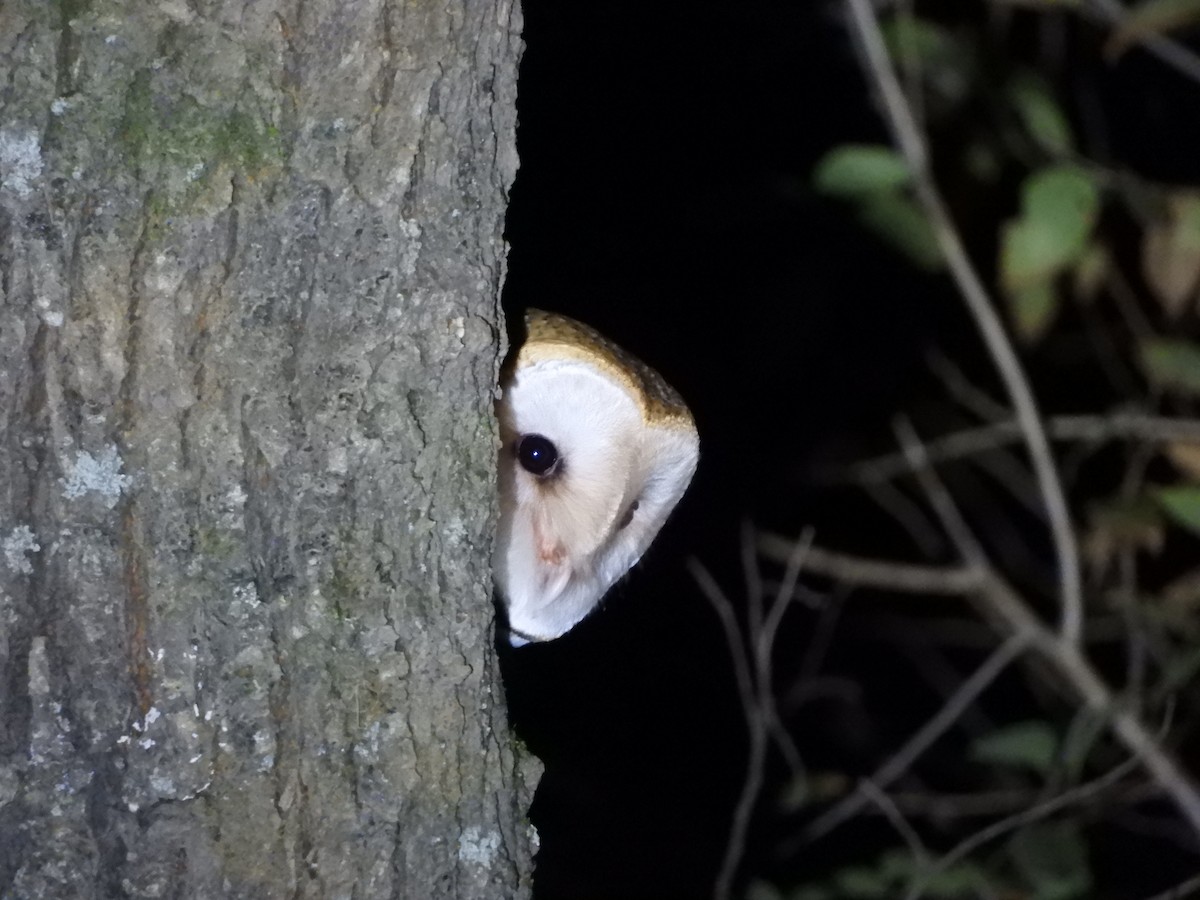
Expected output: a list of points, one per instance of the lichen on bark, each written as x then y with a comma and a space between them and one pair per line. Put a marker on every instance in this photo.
250, 261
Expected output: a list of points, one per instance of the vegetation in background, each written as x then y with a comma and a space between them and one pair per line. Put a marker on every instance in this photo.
1095, 268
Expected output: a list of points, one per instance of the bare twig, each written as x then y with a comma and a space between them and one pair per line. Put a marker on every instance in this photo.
764, 646
735, 847
1010, 609
987, 320
1035, 813
1066, 658
753, 657
754, 586
1004, 801
971, 397
939, 498
905, 578
1009, 471
821, 638
972, 441
1155, 827
900, 761
911, 60
954, 631
893, 815
909, 515
1171, 52
1130, 729
1018, 820
944, 678
1003, 605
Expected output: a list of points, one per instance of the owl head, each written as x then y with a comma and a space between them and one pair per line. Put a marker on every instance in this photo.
596, 451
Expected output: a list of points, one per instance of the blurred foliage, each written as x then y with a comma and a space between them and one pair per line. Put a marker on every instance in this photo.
1027, 745
1097, 268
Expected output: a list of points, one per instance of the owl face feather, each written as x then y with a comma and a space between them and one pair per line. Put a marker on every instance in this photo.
596, 450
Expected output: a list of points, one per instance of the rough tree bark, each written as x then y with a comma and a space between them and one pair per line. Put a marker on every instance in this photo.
250, 259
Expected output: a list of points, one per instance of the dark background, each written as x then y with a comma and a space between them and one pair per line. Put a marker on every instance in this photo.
662, 198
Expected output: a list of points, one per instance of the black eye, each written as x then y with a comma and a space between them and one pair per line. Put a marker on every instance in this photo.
537, 454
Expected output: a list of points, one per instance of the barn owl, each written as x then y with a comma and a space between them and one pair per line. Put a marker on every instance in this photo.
596, 451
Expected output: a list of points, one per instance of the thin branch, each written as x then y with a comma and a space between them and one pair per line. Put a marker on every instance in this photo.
974, 399
737, 652
939, 497
1035, 813
1010, 472
911, 57
1132, 732
907, 578
944, 678
764, 644
942, 808
985, 438
821, 638
752, 654
893, 815
1169, 51
1153, 826
1066, 658
987, 320
735, 847
754, 586
1061, 649
1020, 819
1009, 608
909, 515
916, 745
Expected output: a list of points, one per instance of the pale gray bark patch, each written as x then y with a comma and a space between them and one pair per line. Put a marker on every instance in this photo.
250, 262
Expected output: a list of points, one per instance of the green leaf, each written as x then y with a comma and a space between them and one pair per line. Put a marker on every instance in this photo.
762, 890
1059, 205
855, 170
913, 41
1033, 308
1083, 734
1171, 253
1052, 858
897, 865
1065, 197
1172, 363
963, 880
1182, 503
1091, 270
899, 221
1030, 745
1041, 115
863, 882
946, 66
1030, 254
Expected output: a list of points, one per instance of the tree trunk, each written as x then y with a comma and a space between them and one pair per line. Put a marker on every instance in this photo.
250, 261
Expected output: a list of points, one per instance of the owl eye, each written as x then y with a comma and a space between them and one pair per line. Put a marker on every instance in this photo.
537, 454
